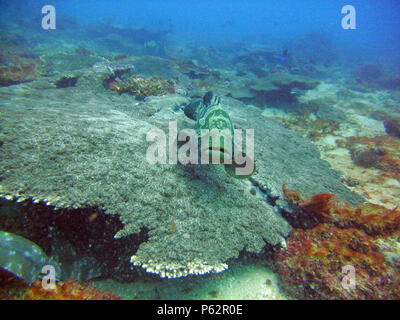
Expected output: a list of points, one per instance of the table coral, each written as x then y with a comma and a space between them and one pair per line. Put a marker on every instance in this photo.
100, 162
311, 265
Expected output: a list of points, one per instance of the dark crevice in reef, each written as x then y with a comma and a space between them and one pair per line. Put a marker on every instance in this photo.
67, 81
117, 74
298, 219
80, 240
264, 192
292, 217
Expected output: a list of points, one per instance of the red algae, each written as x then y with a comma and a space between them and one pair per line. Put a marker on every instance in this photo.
311, 267
385, 148
15, 69
12, 288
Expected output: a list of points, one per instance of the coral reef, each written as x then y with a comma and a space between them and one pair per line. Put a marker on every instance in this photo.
392, 127
311, 267
16, 69
141, 87
261, 61
370, 76
66, 81
282, 90
99, 161
369, 72
390, 83
17, 63
380, 152
192, 70
312, 128
74, 171
63, 62
12, 288
84, 52
349, 131
23, 71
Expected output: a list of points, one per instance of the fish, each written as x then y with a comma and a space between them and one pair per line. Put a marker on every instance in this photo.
295, 92
209, 114
22, 257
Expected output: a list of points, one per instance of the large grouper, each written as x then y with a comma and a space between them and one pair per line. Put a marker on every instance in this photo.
213, 120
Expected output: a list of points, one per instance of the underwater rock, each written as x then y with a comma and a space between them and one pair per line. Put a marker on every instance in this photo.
192, 70
241, 93
368, 158
99, 160
17, 65
280, 88
15, 75
382, 152
392, 127
83, 51
369, 72
71, 239
66, 81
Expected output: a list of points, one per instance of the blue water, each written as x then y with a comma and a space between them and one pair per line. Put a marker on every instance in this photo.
376, 37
